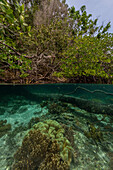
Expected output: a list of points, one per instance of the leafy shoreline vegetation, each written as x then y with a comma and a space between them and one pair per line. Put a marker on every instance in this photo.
47, 42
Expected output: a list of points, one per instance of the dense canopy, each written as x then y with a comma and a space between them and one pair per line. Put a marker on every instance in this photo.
45, 41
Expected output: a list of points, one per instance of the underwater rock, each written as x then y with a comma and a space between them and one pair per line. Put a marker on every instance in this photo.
33, 121
55, 108
2, 111
90, 106
23, 109
14, 109
4, 127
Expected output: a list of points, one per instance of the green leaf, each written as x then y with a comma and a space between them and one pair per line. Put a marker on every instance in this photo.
9, 11
18, 28
25, 24
22, 8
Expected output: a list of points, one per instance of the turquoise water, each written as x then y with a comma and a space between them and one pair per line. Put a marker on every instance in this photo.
78, 117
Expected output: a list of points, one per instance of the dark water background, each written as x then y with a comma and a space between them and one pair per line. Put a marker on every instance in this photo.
19, 104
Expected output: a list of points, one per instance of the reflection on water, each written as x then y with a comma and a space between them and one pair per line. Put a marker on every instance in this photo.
56, 126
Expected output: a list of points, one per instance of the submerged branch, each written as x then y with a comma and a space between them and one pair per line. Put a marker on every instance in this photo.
101, 91
88, 105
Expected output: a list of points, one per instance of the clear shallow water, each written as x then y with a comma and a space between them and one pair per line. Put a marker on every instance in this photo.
84, 111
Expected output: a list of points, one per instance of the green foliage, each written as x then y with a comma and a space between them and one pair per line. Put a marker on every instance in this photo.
88, 56
12, 29
90, 51
83, 24
29, 7
53, 38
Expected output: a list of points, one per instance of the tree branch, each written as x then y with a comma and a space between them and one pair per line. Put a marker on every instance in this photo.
16, 52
